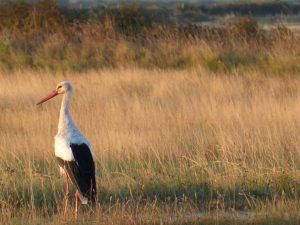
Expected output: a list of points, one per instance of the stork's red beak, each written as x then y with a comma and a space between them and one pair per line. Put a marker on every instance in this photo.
51, 95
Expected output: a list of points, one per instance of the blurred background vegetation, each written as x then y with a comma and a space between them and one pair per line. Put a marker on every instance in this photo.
219, 37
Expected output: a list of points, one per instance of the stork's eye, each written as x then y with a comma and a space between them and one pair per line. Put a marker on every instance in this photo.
59, 87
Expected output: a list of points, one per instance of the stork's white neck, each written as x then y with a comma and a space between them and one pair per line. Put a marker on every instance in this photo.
65, 119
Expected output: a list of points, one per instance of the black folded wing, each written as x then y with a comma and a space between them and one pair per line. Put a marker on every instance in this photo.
81, 171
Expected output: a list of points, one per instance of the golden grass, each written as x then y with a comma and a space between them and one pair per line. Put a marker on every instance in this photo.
199, 141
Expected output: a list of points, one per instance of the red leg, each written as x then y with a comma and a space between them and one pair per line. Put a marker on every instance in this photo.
67, 194
76, 203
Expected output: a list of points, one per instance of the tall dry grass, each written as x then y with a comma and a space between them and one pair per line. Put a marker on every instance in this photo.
185, 138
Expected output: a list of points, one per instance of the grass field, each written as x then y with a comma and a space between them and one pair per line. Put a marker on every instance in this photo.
168, 145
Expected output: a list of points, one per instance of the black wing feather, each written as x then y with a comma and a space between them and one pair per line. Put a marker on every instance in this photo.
81, 171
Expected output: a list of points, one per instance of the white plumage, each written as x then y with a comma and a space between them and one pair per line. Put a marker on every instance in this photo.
72, 150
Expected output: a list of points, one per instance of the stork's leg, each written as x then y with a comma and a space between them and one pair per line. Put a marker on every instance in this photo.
67, 194
76, 203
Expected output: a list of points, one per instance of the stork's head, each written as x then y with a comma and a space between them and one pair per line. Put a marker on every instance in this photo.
62, 88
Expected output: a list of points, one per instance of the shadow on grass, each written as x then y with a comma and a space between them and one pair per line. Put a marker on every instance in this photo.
204, 196
46, 191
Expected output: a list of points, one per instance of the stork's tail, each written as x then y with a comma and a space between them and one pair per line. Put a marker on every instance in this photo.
90, 196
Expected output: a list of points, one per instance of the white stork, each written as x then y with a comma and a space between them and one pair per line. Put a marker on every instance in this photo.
73, 151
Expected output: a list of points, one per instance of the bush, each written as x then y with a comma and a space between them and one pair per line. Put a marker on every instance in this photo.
20, 15
46, 36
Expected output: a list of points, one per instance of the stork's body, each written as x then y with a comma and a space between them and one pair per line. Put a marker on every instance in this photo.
73, 151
